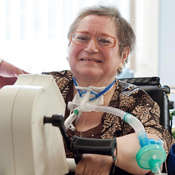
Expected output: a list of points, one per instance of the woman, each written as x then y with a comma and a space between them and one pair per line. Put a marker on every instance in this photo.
100, 41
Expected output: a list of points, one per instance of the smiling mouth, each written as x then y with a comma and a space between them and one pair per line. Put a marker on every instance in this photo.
96, 61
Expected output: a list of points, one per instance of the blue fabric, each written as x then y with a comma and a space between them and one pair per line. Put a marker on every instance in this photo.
171, 161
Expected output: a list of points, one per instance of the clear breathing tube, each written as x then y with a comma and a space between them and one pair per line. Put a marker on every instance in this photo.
150, 156
132, 121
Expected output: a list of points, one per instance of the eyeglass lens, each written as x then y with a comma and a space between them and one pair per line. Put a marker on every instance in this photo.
83, 38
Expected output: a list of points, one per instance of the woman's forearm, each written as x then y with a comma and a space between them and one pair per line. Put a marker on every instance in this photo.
127, 148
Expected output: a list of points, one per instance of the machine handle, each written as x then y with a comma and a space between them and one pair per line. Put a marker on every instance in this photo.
81, 145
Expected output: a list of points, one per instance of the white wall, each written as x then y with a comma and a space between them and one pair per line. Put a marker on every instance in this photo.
147, 32
167, 45
167, 42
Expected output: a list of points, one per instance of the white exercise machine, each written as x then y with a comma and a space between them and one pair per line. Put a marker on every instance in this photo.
27, 146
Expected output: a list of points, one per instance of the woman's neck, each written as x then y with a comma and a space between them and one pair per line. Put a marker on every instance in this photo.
96, 82
107, 95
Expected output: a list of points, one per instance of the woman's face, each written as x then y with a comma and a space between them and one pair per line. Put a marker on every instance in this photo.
91, 63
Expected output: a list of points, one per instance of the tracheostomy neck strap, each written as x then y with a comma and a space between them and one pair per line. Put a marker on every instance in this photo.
96, 91
85, 95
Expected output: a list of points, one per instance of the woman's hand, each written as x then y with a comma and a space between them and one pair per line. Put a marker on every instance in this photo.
9, 73
7, 81
94, 164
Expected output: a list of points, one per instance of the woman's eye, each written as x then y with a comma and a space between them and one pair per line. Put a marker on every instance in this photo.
82, 38
102, 40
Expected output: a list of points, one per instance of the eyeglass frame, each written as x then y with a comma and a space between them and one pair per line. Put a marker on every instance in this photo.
115, 42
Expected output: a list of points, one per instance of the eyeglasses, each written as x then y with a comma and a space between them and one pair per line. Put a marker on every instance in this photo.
83, 38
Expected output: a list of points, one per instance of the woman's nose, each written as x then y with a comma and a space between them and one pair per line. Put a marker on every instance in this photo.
91, 46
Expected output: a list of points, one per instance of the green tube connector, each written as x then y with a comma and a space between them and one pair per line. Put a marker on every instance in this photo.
76, 111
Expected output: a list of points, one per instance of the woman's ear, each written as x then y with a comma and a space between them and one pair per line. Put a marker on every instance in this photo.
125, 54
